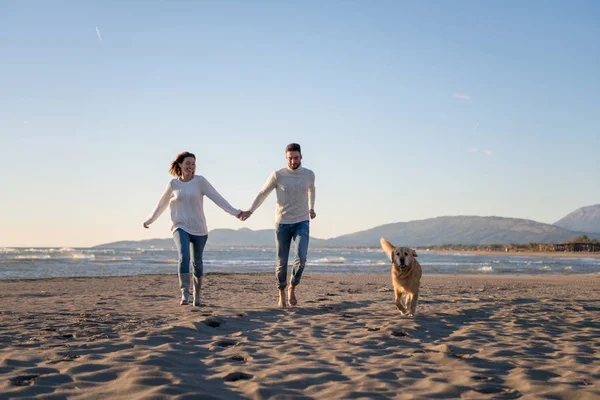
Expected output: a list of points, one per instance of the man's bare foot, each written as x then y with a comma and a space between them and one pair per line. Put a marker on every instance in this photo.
282, 302
292, 296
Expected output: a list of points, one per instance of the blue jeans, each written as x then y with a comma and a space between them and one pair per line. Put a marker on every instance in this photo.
184, 241
284, 233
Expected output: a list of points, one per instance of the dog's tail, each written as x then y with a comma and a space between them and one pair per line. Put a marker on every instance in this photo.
388, 248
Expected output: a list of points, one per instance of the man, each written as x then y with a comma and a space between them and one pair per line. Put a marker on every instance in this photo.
295, 188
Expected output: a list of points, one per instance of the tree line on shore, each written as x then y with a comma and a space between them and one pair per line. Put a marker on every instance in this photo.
577, 244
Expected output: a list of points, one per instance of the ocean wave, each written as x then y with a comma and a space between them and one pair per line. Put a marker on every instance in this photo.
333, 260
486, 268
375, 262
33, 257
79, 256
66, 261
234, 262
99, 251
158, 261
111, 260
8, 250
153, 250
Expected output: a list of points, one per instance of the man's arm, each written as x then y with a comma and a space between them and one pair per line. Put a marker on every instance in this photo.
312, 193
261, 196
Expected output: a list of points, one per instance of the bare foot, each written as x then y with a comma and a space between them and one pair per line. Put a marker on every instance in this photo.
292, 296
282, 303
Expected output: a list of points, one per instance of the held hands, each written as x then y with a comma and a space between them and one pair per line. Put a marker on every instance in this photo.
244, 215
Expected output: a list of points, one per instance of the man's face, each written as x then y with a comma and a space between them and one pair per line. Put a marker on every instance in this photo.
294, 159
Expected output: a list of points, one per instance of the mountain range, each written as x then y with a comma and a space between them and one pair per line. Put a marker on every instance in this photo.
472, 230
586, 219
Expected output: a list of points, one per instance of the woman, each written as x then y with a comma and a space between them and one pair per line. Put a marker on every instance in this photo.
185, 194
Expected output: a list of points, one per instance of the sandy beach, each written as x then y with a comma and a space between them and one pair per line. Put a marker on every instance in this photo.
478, 337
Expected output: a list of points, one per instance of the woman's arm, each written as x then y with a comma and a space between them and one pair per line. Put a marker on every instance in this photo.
162, 205
209, 191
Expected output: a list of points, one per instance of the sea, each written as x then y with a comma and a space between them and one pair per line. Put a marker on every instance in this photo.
35, 263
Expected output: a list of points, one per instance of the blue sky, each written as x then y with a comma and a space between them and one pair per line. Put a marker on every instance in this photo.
405, 110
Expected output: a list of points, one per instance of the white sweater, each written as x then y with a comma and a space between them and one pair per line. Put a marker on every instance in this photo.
187, 204
295, 194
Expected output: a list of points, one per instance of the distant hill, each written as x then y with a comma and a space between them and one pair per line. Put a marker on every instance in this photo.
217, 237
458, 230
584, 219
470, 230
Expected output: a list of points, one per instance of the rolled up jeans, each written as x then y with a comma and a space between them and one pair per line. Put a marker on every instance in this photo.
284, 234
184, 241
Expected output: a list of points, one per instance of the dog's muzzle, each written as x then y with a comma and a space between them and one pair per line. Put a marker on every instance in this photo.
402, 265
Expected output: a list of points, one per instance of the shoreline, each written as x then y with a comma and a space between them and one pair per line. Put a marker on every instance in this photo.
483, 275
542, 254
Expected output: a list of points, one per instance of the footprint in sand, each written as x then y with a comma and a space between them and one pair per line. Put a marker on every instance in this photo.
398, 333
238, 358
226, 343
24, 380
213, 322
68, 357
237, 376
500, 392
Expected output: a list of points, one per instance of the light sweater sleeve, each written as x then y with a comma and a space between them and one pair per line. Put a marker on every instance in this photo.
264, 192
209, 191
162, 205
312, 192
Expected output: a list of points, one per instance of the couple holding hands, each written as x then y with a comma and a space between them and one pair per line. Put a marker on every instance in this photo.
295, 188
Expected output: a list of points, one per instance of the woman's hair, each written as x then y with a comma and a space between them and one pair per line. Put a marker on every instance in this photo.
175, 170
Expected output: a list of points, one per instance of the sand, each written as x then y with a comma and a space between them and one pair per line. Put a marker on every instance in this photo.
473, 337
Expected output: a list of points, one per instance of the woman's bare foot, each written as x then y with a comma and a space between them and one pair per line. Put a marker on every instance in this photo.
292, 296
282, 303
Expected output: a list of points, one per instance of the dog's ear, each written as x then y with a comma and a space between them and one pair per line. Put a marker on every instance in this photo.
413, 252
388, 248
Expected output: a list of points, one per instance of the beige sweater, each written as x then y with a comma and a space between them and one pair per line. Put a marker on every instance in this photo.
295, 194
187, 204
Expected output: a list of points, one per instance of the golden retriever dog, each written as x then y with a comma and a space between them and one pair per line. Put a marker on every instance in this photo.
406, 276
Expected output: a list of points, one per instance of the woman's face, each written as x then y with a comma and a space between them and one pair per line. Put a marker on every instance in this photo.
188, 167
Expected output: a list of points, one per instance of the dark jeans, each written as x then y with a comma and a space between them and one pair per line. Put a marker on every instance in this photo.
184, 241
284, 234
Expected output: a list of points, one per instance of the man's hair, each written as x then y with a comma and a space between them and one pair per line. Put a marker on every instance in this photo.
293, 147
